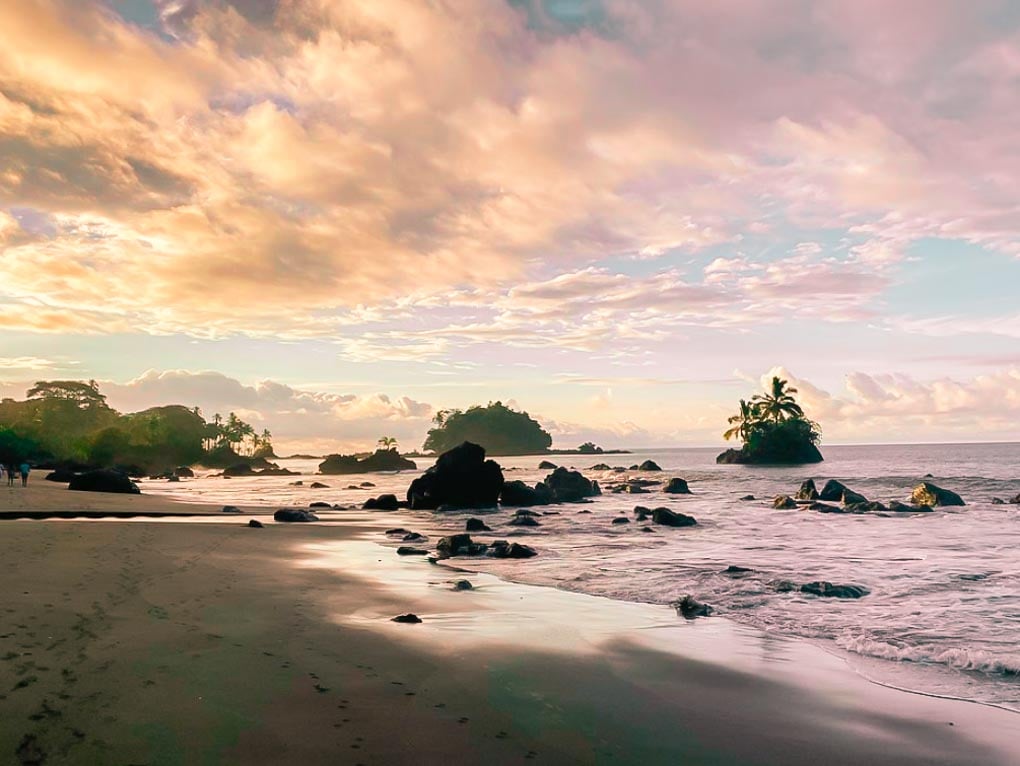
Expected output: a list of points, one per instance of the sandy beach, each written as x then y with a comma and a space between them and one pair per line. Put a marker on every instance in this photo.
203, 641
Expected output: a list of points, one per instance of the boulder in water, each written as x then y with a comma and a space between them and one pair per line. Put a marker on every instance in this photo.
461, 477
832, 490
784, 501
670, 518
184, 472
459, 545
524, 521
851, 498
239, 469
927, 493
407, 550
570, 486
463, 585
807, 491
382, 503
545, 465
104, 480
501, 549
690, 608
476, 525
621, 520
899, 507
380, 460
231, 509
409, 618
318, 485
828, 590
825, 508
519, 493
255, 524
649, 465
294, 515
600, 467
677, 487
748, 498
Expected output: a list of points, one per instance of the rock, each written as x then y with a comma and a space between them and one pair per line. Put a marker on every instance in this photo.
524, 521
318, 485
865, 507
380, 460
690, 608
381, 503
824, 508
778, 454
173, 478
413, 537
783, 586
633, 489
670, 518
621, 520
298, 483
853, 498
807, 491
501, 549
463, 585
104, 480
409, 618
828, 590
995, 500
748, 498
454, 545
407, 550
570, 486
519, 493
255, 524
600, 467
927, 493
1014, 500
231, 509
523, 512
319, 504
641, 513
366, 484
184, 472
899, 507
649, 465
239, 469
735, 571
833, 490
62, 475
397, 531
461, 477
647, 529
677, 487
545, 465
784, 501
476, 525
294, 515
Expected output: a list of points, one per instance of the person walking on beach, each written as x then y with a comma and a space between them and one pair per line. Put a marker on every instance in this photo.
11, 470
25, 469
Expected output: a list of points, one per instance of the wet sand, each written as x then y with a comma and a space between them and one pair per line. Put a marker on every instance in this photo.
205, 642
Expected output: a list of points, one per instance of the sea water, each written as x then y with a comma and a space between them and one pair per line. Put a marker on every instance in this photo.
943, 612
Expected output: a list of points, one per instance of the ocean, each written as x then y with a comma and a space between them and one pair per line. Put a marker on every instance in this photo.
943, 613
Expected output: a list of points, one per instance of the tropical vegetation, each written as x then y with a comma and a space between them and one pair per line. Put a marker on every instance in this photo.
70, 421
498, 428
773, 429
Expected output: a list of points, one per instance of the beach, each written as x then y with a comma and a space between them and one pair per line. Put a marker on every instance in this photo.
206, 641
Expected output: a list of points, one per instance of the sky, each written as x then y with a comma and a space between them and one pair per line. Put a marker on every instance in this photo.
338, 217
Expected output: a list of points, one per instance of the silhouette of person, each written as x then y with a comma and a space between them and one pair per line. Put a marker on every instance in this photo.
25, 469
11, 470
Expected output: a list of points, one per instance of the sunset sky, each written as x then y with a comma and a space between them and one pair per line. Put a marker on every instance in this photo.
336, 217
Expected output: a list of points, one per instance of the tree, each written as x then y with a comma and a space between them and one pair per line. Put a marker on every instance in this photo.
387, 443
501, 430
742, 422
777, 403
589, 448
83, 395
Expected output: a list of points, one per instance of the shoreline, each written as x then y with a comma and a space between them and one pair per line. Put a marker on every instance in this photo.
175, 642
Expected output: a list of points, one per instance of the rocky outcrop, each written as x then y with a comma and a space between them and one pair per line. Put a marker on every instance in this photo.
899, 507
62, 475
833, 490
104, 480
828, 590
807, 491
784, 501
501, 549
620, 520
461, 477
476, 525
407, 550
245, 469
231, 509
524, 521
670, 518
459, 545
804, 453
409, 618
294, 515
238, 469
853, 498
690, 608
463, 585
927, 493
381, 503
380, 460
649, 465
255, 524
520, 494
570, 486
318, 485
545, 465
677, 487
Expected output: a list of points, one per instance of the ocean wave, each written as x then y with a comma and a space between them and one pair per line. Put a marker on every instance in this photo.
960, 658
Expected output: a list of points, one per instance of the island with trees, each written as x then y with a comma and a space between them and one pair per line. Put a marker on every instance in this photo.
68, 423
773, 429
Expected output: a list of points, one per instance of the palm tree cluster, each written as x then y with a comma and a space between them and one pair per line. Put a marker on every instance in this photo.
240, 436
775, 406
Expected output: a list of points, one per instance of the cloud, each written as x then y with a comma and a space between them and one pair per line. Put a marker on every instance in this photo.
252, 167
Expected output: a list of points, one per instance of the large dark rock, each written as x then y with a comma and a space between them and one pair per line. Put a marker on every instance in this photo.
828, 590
524, 521
677, 487
927, 493
231, 509
690, 608
501, 549
868, 506
570, 486
184, 472
294, 515
381, 503
807, 491
409, 618
670, 518
784, 501
255, 524
380, 460
62, 475
104, 480
899, 507
833, 490
461, 477
239, 469
853, 498
519, 493
649, 465
316, 485
476, 525
797, 455
407, 550
454, 545
545, 465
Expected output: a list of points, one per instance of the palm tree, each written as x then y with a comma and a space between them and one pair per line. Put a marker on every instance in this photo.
387, 442
742, 422
778, 403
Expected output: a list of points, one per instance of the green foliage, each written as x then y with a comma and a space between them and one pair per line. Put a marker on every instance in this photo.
589, 448
14, 448
773, 427
501, 430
